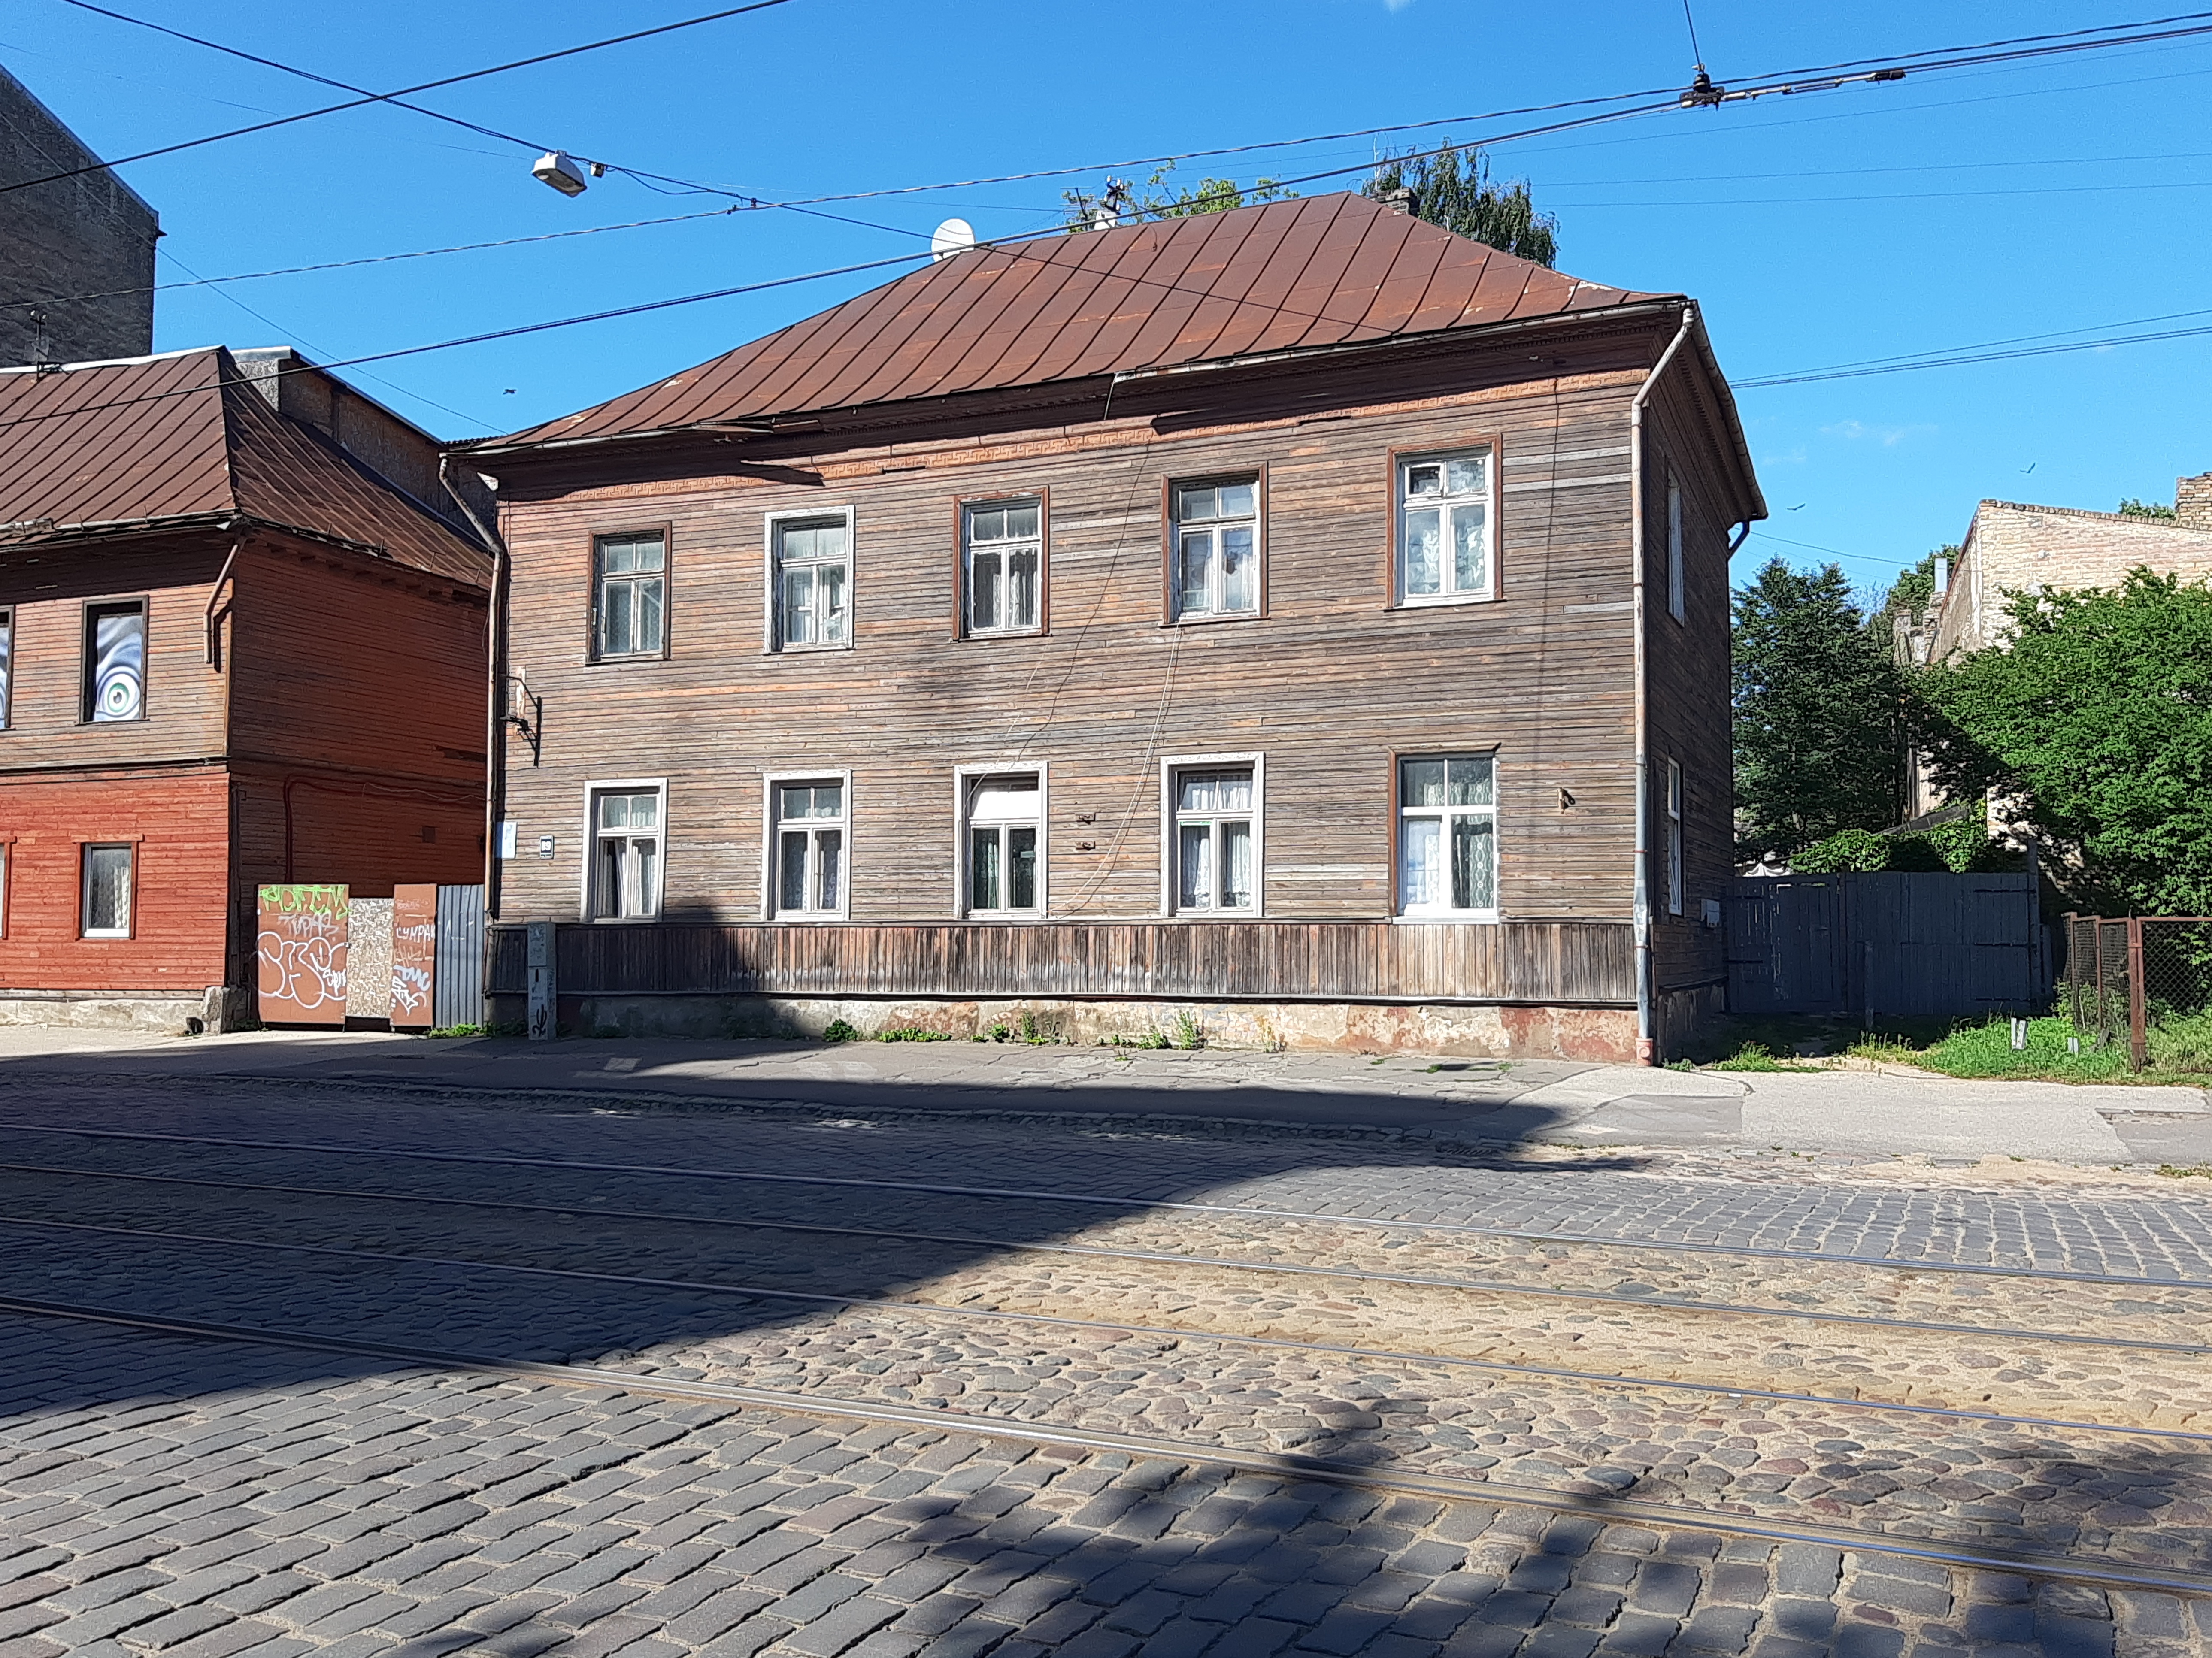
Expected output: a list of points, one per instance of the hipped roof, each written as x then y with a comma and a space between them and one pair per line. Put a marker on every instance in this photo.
101, 448
1314, 272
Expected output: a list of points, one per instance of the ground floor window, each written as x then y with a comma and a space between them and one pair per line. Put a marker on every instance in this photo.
1214, 842
1448, 836
626, 852
810, 823
1004, 831
106, 894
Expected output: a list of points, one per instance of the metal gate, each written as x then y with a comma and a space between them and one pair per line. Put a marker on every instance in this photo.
1917, 945
459, 999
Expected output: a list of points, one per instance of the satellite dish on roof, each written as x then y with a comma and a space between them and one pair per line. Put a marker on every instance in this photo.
953, 236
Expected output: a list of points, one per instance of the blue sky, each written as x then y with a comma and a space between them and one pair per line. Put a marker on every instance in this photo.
1947, 210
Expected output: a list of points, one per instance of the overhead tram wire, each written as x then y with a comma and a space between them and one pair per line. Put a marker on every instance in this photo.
397, 92
1013, 245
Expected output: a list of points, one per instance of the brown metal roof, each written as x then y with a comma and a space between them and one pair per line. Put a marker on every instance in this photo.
185, 437
1317, 271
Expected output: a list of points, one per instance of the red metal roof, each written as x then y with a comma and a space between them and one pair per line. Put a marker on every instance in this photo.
1317, 271
185, 437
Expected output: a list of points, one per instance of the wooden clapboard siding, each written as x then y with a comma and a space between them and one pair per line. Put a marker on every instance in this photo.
1327, 685
1561, 963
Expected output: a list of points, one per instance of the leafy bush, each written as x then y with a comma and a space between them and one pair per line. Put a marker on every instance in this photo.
839, 1031
1960, 847
911, 1033
1847, 850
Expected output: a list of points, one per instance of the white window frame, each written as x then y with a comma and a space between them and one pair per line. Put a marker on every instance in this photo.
1258, 479
1171, 768
1674, 837
601, 581
592, 791
772, 570
771, 846
1445, 913
84, 927
969, 507
1676, 605
1402, 463
964, 779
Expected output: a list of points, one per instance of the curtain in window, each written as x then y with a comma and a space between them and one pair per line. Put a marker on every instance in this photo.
106, 889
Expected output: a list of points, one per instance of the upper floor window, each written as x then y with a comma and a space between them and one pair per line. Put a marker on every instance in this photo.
1005, 870
810, 582
7, 660
115, 662
105, 912
1448, 836
629, 573
1674, 837
1444, 529
1002, 553
1217, 549
1214, 844
810, 825
1674, 603
626, 852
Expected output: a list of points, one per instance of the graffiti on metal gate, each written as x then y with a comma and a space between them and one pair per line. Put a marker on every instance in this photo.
302, 953
414, 955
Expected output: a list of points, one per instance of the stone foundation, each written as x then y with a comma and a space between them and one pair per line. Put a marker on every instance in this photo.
216, 1008
1605, 1035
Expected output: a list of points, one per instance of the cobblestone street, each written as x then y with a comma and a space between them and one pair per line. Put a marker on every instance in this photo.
292, 1367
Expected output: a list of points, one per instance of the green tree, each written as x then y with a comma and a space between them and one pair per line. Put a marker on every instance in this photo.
2095, 724
1819, 713
1453, 189
1125, 203
2158, 511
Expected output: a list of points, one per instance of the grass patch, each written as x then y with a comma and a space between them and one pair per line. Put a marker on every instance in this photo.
1754, 1056
911, 1033
2179, 1051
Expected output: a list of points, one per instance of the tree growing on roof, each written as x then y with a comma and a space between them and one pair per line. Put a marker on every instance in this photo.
1123, 204
2093, 722
1819, 706
1454, 191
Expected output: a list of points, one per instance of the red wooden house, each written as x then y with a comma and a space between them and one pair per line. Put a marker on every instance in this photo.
242, 641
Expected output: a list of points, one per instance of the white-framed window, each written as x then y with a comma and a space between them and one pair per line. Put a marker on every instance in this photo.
1002, 566
1445, 531
629, 602
1674, 837
1448, 836
626, 832
115, 662
1213, 857
1674, 601
106, 911
809, 581
1216, 548
810, 846
1002, 852
7, 660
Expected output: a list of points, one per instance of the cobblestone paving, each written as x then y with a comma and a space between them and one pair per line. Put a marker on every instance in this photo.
201, 1500
108, 1440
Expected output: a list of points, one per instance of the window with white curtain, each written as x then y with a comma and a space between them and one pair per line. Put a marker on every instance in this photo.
1215, 843
1448, 836
810, 846
626, 847
630, 575
106, 898
810, 582
1003, 559
1674, 837
1674, 599
1444, 529
1005, 834
1217, 549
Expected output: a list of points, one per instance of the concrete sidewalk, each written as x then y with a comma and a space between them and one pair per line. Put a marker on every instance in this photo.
1860, 1113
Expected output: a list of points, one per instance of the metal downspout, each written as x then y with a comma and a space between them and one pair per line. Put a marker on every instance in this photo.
495, 664
1646, 1039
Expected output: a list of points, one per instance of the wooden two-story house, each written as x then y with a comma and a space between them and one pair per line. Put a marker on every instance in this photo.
242, 641
1297, 622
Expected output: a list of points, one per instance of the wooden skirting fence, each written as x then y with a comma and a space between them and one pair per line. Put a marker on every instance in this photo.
1555, 964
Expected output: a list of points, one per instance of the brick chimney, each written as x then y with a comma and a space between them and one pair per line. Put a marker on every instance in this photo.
2192, 502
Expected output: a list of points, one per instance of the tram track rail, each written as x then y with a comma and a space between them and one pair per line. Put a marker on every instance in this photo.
1750, 1251
1175, 1332
2103, 1573
1146, 1257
